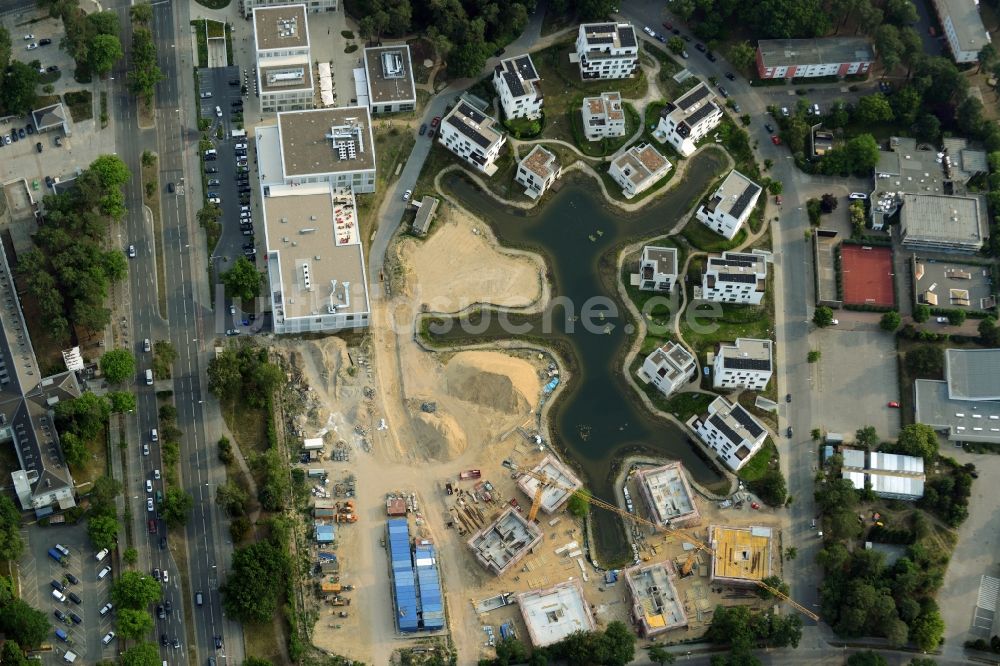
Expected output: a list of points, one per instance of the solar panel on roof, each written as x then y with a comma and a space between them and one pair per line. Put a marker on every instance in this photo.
743, 200
695, 117
597, 39
737, 277
626, 37
740, 363
747, 421
526, 68
693, 96
724, 428
467, 130
471, 112
514, 84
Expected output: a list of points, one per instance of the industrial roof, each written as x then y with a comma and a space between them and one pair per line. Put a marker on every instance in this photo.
905, 487
895, 463
853, 458
964, 420
857, 479
942, 219
403, 580
742, 554
553, 614
389, 73
323, 141
973, 374
280, 27
831, 50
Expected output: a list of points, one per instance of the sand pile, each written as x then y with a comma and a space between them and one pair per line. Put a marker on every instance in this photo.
325, 359
438, 435
493, 380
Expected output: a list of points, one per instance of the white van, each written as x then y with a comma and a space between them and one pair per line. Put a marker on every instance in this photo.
211, 151
149, 377
59, 595
69, 656
102, 554
153, 435
103, 573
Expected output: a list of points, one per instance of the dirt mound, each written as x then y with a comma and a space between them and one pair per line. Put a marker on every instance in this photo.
493, 380
439, 435
325, 359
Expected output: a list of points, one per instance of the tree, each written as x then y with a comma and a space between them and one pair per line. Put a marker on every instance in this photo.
823, 316
141, 654
774, 582
104, 492
987, 56
135, 590
118, 365
828, 203
121, 402
956, 317
510, 651
659, 655
17, 95
928, 629
256, 576
791, 553
111, 172
866, 658
103, 53
11, 654
133, 623
224, 377
969, 116
770, 487
103, 531
775, 187
5, 48
813, 356
232, 499
11, 543
742, 55
130, 556
243, 280
989, 334
867, 437
23, 624
873, 109
141, 13
926, 362
917, 439
900, 12
619, 644
676, 45
578, 505
176, 506
890, 321
921, 313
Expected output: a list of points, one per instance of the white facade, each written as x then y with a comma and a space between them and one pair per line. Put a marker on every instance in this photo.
669, 367
730, 205
963, 28
247, 6
658, 269
607, 50
731, 431
388, 80
537, 171
283, 55
745, 364
603, 116
638, 169
473, 136
735, 277
685, 121
516, 82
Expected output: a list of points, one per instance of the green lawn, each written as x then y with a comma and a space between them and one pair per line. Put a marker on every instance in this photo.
760, 463
80, 103
735, 321
705, 239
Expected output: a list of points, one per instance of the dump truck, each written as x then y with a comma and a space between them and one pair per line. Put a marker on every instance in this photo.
470, 474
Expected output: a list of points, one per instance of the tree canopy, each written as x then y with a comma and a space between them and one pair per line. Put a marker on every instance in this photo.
890, 321
177, 504
243, 372
118, 365
256, 577
17, 95
21, 623
135, 590
133, 623
141, 654
823, 316
917, 439
102, 54
11, 543
243, 280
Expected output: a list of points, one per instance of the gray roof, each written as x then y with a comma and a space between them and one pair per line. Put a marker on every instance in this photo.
973, 374
49, 116
937, 218
969, 29
788, 52
962, 420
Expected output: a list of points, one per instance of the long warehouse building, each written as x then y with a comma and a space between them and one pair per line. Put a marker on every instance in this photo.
416, 581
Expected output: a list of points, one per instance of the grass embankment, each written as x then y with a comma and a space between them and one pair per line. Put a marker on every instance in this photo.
80, 103
150, 176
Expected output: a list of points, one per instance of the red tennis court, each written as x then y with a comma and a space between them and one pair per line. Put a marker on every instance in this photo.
866, 273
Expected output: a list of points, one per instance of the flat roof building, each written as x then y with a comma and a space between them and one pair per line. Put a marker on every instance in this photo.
889, 475
853, 458
603, 116
607, 50
425, 215
963, 28
284, 63
731, 431
742, 554
638, 168
658, 269
51, 117
668, 367
685, 121
801, 58
503, 543
473, 136
952, 284
942, 223
388, 80
281, 31
516, 82
745, 364
967, 403
553, 497
314, 6
730, 205
656, 606
668, 495
554, 613
537, 171
735, 277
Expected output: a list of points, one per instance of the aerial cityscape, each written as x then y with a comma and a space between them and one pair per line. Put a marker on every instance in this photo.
431, 332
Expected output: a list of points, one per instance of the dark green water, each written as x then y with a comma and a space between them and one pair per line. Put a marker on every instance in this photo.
597, 419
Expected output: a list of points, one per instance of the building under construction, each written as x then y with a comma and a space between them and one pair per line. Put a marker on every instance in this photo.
742, 554
553, 614
656, 605
668, 496
503, 543
565, 483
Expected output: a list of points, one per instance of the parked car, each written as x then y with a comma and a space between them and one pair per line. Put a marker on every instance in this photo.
32, 46
131, 251
108, 637
407, 194
857, 195
423, 129
106, 608
711, 56
769, 128
436, 121
730, 76
668, 25
149, 504
788, 432
893, 404
942, 320
723, 91
72, 579
45, 41
775, 139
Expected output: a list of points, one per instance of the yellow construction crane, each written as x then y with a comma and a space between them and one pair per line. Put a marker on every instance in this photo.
544, 481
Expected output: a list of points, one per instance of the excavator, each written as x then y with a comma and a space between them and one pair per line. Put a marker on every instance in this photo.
545, 482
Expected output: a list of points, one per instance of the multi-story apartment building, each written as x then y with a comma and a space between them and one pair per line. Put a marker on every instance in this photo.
473, 136
669, 367
516, 82
284, 65
686, 120
735, 277
537, 171
806, 58
731, 431
658, 268
745, 364
607, 50
314, 6
638, 169
603, 116
730, 205
963, 28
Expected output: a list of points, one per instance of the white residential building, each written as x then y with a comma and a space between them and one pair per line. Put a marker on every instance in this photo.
669, 367
638, 169
730, 205
745, 364
473, 136
284, 64
731, 431
658, 269
963, 28
537, 171
516, 82
686, 120
735, 277
603, 116
388, 80
607, 50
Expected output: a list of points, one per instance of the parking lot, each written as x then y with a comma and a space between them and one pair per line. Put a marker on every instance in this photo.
38, 570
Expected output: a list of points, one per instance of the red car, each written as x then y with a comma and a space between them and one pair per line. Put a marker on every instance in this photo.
894, 404
152, 526
436, 121
778, 200
776, 140
668, 26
